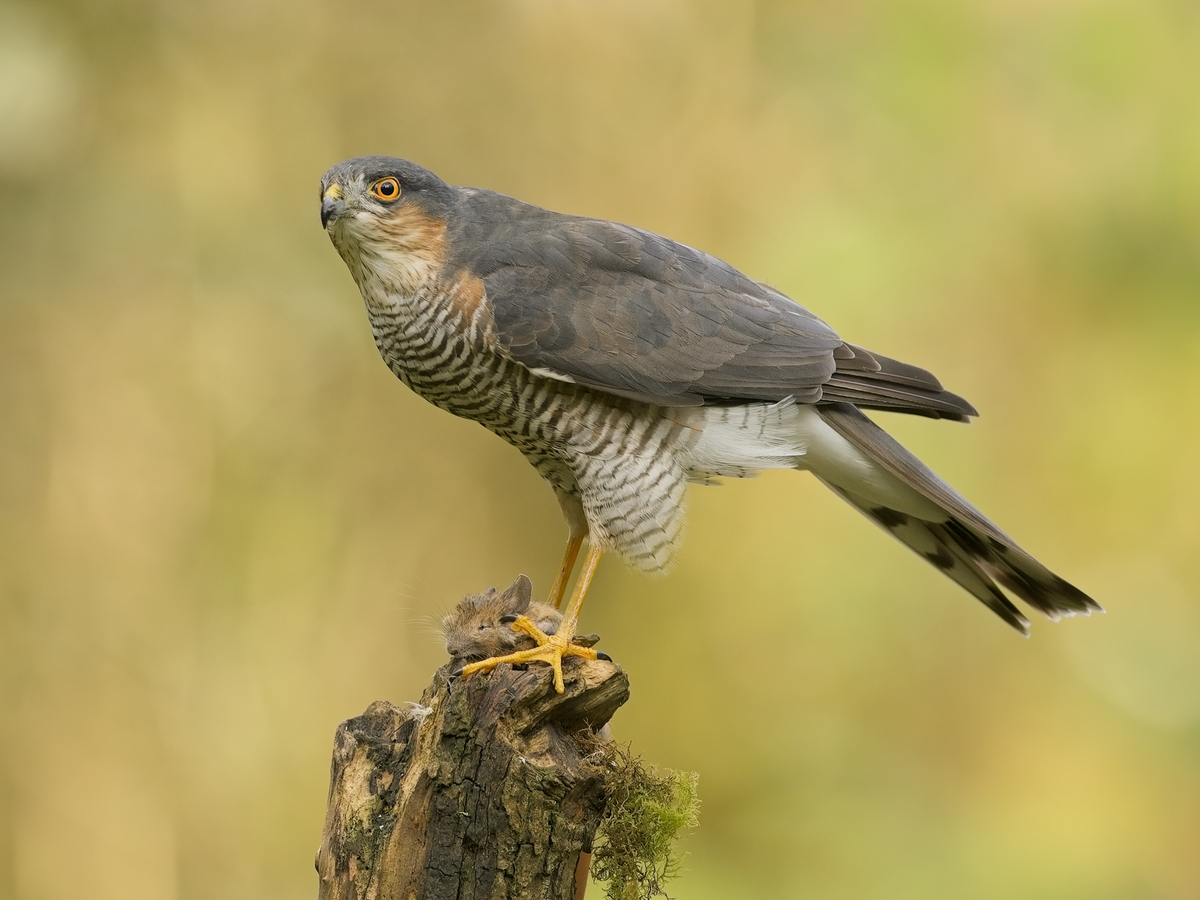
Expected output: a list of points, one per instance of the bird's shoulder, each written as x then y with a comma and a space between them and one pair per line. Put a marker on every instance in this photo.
493, 231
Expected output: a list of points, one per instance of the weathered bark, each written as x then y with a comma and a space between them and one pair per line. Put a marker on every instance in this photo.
475, 793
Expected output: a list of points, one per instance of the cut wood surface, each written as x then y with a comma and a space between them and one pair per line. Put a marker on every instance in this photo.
477, 791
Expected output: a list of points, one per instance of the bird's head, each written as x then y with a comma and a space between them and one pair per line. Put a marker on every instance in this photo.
387, 218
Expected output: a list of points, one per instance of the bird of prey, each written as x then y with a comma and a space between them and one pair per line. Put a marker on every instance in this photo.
624, 365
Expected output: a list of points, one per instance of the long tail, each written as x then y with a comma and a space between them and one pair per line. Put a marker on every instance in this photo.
964, 544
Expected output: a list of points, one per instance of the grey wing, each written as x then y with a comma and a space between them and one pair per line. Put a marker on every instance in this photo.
635, 314
872, 381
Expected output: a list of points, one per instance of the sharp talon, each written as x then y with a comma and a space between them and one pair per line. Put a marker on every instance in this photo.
550, 649
507, 620
600, 654
456, 673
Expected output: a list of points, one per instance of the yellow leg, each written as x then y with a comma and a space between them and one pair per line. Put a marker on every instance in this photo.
586, 574
553, 647
564, 571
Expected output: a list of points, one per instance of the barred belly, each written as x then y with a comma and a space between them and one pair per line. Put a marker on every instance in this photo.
621, 458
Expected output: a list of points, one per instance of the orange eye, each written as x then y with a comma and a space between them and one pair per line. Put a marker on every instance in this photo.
386, 189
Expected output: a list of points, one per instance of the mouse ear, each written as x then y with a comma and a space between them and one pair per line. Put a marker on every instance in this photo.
518, 594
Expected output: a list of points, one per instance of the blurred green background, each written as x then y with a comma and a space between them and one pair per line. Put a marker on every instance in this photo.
225, 527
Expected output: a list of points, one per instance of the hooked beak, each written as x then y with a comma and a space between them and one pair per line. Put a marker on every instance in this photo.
332, 205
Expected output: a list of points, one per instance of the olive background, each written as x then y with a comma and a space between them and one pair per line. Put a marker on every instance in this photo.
225, 527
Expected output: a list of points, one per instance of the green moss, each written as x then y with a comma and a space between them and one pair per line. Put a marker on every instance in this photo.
634, 851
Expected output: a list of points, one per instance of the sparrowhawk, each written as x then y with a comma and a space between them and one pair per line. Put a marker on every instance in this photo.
624, 365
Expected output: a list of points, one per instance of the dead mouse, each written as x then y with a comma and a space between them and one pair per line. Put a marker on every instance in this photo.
481, 625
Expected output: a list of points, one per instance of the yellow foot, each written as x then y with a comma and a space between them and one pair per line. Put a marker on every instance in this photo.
551, 649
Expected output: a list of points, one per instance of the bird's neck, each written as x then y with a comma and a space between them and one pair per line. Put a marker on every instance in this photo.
400, 257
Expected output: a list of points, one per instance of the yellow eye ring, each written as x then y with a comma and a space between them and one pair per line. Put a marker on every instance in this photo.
386, 188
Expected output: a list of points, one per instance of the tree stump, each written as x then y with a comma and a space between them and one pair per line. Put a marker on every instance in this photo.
475, 793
